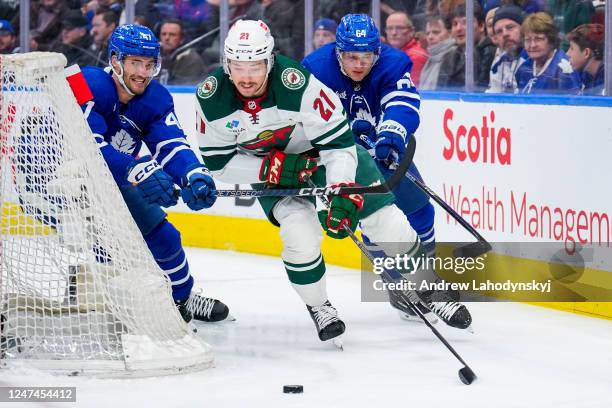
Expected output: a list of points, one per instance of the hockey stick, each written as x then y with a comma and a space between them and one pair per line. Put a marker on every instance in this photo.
315, 191
466, 375
470, 250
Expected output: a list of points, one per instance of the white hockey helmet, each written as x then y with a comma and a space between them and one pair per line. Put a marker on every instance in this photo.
248, 40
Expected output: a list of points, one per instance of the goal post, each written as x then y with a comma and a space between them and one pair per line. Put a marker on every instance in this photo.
80, 292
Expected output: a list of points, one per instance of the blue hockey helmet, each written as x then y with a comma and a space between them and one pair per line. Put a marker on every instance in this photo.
357, 33
134, 39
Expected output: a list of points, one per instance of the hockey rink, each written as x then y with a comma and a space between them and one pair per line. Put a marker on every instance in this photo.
524, 356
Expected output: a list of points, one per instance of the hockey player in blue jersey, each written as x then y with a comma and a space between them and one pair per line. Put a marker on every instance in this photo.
382, 103
129, 109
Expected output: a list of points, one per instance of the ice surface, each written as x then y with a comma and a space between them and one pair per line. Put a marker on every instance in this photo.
525, 356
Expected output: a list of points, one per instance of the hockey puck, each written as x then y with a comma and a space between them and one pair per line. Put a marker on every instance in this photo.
293, 389
466, 375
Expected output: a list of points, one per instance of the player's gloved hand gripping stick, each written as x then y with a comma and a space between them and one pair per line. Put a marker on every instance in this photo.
383, 188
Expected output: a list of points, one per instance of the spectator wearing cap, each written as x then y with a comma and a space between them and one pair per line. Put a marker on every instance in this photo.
507, 27
547, 68
74, 41
324, 32
586, 56
7, 37
178, 68
401, 35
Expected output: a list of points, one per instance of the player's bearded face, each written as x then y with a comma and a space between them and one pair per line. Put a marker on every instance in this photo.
138, 72
249, 77
357, 64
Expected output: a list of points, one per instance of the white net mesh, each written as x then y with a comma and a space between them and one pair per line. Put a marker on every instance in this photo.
79, 288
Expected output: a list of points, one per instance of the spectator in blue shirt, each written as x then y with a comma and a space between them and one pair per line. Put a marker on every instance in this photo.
586, 56
547, 68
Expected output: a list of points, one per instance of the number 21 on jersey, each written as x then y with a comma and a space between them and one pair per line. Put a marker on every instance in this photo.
322, 104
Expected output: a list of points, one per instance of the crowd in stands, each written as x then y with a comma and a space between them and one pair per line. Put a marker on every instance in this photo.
520, 46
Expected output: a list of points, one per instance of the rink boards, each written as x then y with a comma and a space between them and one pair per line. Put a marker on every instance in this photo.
519, 169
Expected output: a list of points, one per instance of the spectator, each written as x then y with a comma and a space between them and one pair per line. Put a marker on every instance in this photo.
103, 24
45, 23
7, 38
486, 50
400, 35
325, 32
547, 68
285, 19
186, 67
440, 44
75, 41
507, 25
452, 70
489, 31
586, 56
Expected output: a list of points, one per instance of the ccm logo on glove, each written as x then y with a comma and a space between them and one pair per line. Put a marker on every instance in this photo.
142, 171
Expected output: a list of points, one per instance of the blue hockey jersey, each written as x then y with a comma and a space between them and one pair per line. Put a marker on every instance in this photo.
557, 76
121, 129
386, 96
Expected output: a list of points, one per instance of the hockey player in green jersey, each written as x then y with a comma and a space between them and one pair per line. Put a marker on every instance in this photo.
265, 119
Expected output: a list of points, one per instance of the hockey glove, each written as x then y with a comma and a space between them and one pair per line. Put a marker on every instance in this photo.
390, 147
342, 211
155, 185
286, 170
198, 189
365, 133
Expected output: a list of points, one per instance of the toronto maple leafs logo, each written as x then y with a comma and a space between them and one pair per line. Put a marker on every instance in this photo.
565, 66
359, 109
123, 142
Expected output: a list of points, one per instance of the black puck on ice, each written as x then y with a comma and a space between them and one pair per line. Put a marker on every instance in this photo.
293, 389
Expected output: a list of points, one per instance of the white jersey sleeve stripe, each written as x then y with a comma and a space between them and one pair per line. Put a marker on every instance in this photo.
172, 153
331, 137
398, 103
395, 94
209, 153
166, 142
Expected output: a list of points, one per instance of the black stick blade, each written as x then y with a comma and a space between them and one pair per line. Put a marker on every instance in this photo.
472, 250
466, 375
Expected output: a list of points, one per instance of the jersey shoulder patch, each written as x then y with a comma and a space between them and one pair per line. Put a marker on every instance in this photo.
208, 88
288, 81
216, 95
293, 78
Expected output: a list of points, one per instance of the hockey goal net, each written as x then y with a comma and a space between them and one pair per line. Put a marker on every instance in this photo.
79, 290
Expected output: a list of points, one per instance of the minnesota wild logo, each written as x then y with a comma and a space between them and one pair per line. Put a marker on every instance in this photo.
208, 87
278, 138
292, 78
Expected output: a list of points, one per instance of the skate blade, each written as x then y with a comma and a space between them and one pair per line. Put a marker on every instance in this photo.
431, 318
337, 341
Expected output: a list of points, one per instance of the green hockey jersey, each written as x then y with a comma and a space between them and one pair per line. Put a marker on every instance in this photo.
297, 113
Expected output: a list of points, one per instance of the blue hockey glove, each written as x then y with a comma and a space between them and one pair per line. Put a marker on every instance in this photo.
198, 189
156, 186
365, 132
391, 143
390, 147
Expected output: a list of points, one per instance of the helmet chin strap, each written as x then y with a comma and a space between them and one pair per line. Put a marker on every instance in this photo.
119, 76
